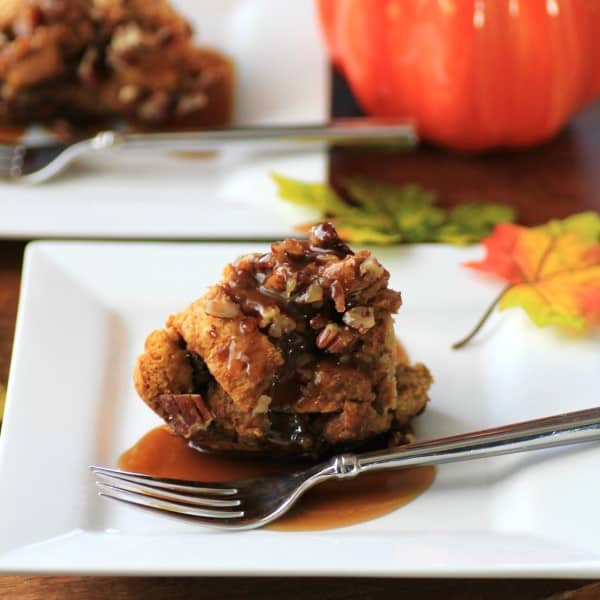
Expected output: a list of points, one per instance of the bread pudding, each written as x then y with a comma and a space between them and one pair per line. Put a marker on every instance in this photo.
84, 59
292, 352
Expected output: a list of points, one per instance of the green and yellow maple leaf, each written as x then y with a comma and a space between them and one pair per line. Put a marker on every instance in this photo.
381, 213
552, 271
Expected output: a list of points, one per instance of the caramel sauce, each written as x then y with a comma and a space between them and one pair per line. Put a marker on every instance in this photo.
195, 154
334, 504
10, 134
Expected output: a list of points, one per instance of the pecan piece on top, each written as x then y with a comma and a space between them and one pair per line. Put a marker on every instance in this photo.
361, 318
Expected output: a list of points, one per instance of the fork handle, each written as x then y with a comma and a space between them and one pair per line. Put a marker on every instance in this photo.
359, 130
559, 430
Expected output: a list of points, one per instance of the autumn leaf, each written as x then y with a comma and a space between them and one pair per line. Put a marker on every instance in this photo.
552, 271
466, 222
381, 213
314, 195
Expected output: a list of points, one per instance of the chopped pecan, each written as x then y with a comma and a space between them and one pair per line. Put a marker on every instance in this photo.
313, 293
282, 279
265, 261
222, 308
187, 413
372, 268
338, 295
154, 108
268, 314
337, 339
361, 318
293, 248
191, 103
129, 94
282, 325
262, 405
290, 285
126, 40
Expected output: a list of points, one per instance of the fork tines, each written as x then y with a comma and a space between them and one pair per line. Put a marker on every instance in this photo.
195, 499
11, 160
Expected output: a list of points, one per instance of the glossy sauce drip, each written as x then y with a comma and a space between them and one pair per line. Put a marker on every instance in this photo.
296, 346
334, 504
250, 290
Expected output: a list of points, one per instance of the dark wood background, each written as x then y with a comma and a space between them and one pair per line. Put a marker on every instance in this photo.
553, 180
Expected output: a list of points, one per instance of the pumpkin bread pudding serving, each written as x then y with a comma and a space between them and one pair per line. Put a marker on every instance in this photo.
83, 59
292, 352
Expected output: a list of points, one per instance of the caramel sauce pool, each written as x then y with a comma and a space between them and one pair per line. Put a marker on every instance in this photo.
10, 134
195, 154
333, 504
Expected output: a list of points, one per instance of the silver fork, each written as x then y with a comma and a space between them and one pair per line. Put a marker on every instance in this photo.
37, 163
252, 503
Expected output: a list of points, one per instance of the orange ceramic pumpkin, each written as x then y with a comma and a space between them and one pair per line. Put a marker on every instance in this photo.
474, 74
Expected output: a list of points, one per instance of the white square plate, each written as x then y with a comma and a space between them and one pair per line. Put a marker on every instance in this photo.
84, 313
282, 77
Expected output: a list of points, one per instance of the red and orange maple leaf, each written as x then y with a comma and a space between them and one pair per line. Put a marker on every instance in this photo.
552, 271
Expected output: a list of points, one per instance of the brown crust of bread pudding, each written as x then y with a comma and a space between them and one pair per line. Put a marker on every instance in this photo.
293, 351
85, 59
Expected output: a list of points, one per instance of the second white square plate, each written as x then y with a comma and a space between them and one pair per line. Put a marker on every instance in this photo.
282, 76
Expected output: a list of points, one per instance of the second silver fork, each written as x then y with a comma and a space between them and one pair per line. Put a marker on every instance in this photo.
33, 164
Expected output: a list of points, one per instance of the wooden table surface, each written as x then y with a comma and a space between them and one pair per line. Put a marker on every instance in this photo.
553, 180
